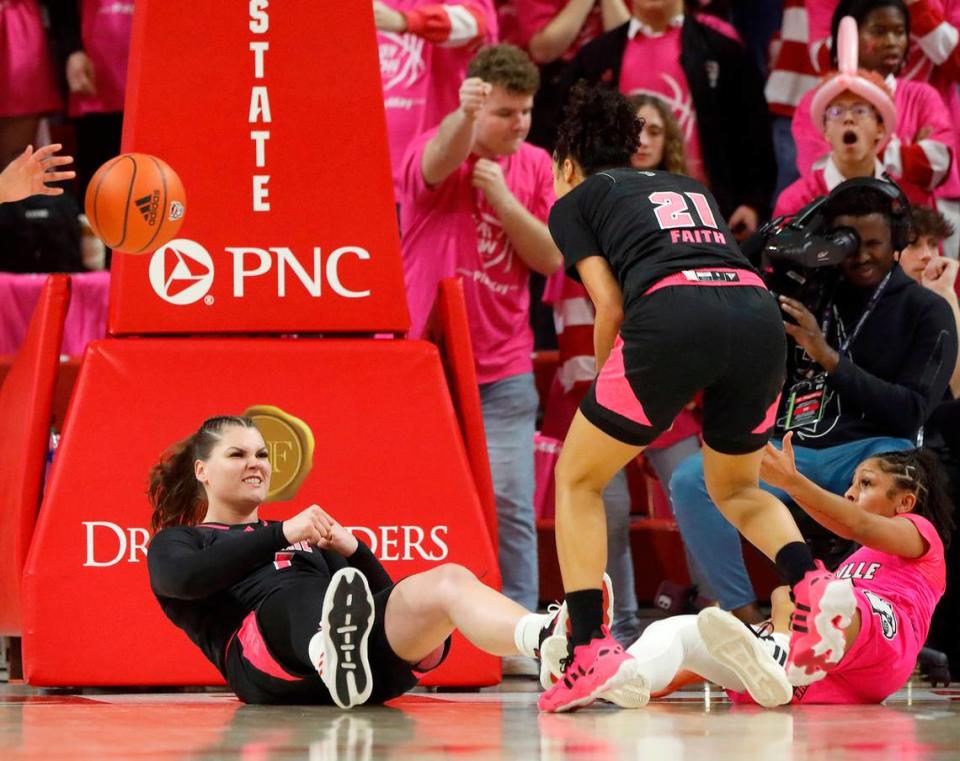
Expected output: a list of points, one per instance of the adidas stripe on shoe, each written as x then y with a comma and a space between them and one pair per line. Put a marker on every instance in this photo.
748, 655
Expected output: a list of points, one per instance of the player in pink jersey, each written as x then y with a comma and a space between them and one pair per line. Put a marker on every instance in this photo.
898, 509
884, 594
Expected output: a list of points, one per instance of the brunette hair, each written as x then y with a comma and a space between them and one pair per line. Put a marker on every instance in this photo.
674, 146
507, 66
600, 129
927, 221
175, 495
919, 472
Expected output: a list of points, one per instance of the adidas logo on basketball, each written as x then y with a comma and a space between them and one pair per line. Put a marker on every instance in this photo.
148, 206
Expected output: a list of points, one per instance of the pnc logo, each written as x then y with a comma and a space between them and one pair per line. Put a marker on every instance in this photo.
181, 272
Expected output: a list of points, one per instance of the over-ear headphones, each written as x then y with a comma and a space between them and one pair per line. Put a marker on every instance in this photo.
901, 228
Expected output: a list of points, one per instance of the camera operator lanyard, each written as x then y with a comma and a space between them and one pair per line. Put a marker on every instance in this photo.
806, 399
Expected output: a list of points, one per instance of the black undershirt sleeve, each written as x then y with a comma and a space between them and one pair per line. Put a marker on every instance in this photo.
181, 567
366, 562
571, 233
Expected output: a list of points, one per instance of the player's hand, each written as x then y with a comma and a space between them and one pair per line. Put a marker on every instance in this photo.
939, 276
387, 19
311, 526
488, 177
29, 173
340, 540
807, 334
779, 467
80, 74
473, 94
743, 222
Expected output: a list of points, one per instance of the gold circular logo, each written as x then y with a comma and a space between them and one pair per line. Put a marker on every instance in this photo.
290, 444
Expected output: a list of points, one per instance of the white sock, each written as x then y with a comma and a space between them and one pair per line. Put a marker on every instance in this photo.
526, 634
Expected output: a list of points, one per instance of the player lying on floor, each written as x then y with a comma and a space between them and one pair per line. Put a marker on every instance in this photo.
300, 611
881, 599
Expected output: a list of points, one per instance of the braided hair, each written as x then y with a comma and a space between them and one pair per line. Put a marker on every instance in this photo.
919, 472
600, 129
175, 495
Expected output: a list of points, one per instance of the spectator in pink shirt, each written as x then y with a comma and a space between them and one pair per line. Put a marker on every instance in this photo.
425, 46
474, 200
921, 151
94, 38
27, 84
852, 110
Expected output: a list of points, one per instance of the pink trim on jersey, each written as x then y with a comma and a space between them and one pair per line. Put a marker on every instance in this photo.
769, 418
744, 277
614, 391
255, 651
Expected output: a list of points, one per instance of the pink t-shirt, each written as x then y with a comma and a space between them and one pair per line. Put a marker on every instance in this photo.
651, 66
27, 83
918, 105
421, 79
451, 230
534, 15
105, 26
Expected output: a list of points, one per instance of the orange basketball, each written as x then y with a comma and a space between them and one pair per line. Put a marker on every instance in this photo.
135, 203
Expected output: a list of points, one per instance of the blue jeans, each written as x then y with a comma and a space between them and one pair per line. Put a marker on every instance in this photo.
715, 543
509, 418
786, 151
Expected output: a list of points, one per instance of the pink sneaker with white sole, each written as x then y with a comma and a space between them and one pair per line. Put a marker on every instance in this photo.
600, 665
824, 608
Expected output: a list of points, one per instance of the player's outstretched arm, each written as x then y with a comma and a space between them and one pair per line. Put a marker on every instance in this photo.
838, 514
29, 173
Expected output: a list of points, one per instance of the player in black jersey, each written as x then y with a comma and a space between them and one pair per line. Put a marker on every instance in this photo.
679, 310
300, 611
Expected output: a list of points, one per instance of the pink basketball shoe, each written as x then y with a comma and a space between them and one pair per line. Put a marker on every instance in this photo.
824, 608
600, 665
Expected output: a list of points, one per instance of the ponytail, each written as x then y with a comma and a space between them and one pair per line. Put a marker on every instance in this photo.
175, 495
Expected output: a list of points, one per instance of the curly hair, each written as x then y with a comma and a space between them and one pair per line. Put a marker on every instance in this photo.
674, 157
919, 472
507, 66
600, 129
175, 495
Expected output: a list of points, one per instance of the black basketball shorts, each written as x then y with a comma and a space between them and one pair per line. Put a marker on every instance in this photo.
720, 336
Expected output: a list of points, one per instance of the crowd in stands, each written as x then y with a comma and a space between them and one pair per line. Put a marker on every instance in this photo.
749, 97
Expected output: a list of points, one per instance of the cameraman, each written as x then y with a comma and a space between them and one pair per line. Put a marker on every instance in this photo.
861, 379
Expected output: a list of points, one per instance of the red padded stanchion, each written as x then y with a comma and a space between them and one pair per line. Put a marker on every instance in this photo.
26, 400
389, 462
449, 330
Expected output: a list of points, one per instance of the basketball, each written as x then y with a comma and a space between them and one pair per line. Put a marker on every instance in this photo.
135, 203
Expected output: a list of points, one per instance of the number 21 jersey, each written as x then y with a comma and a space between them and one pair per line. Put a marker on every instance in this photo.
647, 225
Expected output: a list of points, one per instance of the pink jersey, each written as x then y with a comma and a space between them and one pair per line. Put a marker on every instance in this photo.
534, 15
27, 83
896, 597
451, 230
422, 68
929, 163
105, 27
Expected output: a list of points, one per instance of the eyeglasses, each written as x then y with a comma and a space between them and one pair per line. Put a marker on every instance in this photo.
859, 111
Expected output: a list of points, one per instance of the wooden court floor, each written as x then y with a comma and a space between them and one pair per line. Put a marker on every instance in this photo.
498, 723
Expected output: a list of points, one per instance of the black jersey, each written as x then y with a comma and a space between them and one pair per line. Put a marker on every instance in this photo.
647, 225
207, 578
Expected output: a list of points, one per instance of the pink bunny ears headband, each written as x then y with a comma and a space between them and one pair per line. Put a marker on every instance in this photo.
866, 84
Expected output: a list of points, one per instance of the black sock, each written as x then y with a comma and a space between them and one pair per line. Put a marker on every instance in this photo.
793, 561
585, 607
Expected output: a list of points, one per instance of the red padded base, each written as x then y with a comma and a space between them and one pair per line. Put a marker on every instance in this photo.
389, 455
